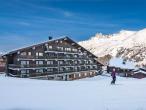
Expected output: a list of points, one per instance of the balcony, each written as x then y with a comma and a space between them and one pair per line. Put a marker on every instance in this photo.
60, 51
30, 66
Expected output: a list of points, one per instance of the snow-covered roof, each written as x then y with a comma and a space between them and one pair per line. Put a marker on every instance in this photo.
140, 71
118, 62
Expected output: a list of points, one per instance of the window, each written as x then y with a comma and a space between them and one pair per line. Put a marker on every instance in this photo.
39, 54
91, 67
61, 41
50, 62
23, 53
50, 47
79, 61
50, 70
61, 69
39, 71
24, 71
39, 62
76, 62
76, 68
60, 62
18, 52
68, 49
90, 61
74, 50
60, 48
67, 68
24, 62
79, 75
75, 56
67, 56
29, 53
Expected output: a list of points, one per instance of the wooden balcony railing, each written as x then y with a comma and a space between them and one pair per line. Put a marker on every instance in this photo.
30, 66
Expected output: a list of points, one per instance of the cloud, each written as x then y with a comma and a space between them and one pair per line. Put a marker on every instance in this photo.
67, 14
24, 23
34, 6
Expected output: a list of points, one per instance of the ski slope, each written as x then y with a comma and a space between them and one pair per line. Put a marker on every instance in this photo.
86, 94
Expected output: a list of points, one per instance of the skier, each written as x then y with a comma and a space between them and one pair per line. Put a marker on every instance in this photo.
113, 74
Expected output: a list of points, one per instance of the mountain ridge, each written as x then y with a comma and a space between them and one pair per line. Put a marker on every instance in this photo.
130, 45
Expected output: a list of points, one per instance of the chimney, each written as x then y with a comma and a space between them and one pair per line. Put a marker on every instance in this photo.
50, 37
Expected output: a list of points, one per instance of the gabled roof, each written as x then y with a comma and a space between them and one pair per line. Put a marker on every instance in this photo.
28, 47
64, 38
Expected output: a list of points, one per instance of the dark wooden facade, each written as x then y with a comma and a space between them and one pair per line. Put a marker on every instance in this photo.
120, 71
2, 64
61, 59
139, 73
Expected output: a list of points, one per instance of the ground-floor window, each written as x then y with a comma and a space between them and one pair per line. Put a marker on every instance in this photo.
24, 71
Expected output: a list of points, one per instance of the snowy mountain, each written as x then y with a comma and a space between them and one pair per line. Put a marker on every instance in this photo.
129, 45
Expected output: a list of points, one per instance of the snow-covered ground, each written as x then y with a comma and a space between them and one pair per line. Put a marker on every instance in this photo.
86, 94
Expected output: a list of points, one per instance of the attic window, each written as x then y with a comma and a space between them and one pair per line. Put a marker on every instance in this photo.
56, 41
73, 44
23, 53
61, 41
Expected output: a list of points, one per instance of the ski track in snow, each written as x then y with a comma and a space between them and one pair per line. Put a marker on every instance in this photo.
86, 94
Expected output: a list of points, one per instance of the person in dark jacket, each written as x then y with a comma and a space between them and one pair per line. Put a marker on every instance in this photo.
113, 74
